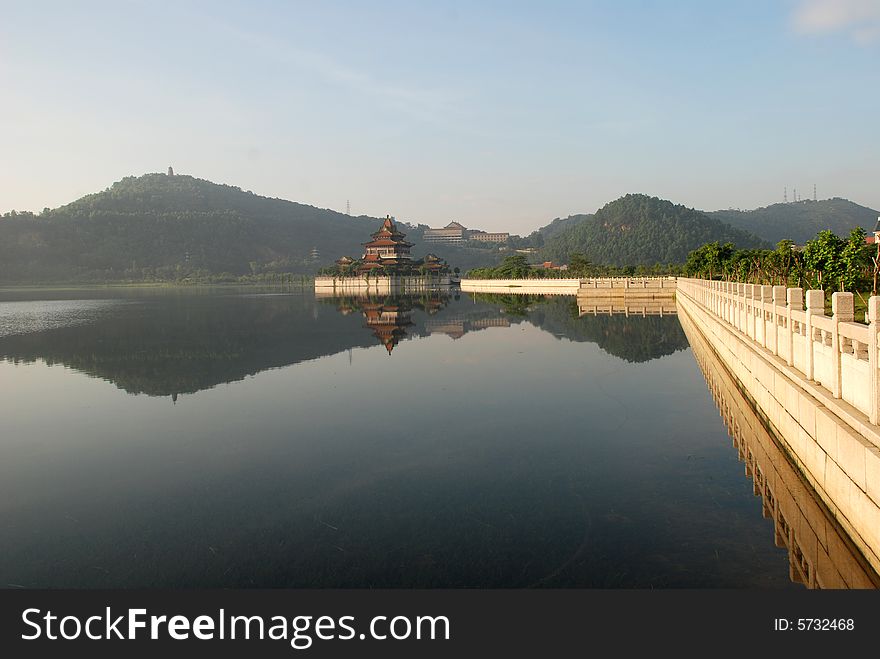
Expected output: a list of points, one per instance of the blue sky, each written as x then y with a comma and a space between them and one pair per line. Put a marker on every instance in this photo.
501, 115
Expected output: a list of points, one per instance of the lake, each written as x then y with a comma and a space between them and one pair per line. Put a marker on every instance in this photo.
229, 438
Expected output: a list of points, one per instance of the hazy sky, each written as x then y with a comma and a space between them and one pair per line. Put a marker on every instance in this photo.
502, 115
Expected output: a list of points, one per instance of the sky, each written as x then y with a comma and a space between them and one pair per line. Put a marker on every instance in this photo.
500, 115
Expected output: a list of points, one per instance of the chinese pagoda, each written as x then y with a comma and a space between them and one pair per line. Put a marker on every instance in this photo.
386, 266
387, 250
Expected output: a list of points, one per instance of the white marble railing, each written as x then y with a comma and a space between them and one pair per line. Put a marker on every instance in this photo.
835, 352
628, 283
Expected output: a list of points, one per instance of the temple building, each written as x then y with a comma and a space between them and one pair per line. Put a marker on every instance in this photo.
434, 264
386, 267
387, 250
345, 264
388, 255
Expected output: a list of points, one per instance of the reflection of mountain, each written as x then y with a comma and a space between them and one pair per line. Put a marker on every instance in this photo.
173, 344
633, 339
164, 345
819, 552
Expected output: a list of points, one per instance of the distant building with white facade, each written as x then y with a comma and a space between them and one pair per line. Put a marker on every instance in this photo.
456, 234
452, 234
488, 237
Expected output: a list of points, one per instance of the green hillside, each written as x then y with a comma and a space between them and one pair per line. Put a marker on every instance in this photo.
638, 229
801, 221
172, 227
157, 225
561, 224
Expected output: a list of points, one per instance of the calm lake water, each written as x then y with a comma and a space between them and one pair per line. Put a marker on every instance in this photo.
184, 439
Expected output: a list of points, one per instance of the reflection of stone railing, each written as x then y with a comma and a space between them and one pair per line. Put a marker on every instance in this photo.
590, 306
631, 296
629, 286
814, 379
820, 553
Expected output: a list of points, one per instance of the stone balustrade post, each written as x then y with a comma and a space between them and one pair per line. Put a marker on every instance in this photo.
873, 318
842, 310
795, 298
728, 302
815, 306
740, 307
766, 299
750, 311
778, 294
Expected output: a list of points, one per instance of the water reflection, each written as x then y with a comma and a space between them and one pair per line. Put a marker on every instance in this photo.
173, 344
820, 554
504, 443
389, 316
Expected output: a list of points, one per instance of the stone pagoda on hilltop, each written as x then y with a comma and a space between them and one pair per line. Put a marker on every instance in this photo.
387, 250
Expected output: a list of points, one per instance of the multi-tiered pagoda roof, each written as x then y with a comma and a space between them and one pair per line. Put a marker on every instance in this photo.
387, 248
388, 254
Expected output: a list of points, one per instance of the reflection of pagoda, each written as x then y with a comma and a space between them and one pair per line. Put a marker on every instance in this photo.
388, 321
387, 251
389, 316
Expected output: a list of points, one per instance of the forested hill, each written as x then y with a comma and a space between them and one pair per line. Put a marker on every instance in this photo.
801, 221
560, 224
638, 229
159, 226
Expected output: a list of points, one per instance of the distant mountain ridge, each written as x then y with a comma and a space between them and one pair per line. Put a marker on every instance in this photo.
155, 224
173, 227
800, 221
638, 229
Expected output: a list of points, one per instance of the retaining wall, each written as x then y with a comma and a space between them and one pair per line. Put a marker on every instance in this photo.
813, 378
379, 285
523, 286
